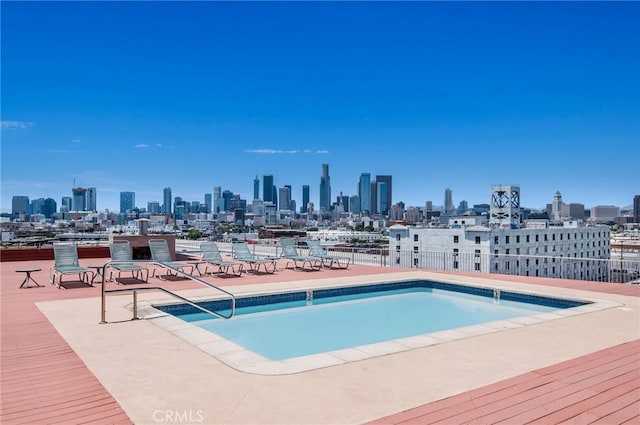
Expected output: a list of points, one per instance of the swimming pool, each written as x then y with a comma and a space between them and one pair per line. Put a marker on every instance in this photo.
293, 325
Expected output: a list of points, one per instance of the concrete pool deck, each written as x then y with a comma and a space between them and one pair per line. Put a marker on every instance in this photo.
152, 373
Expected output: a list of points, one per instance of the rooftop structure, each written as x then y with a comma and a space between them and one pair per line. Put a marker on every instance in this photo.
128, 371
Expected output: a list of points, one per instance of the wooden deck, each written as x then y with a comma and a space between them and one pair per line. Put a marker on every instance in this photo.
44, 381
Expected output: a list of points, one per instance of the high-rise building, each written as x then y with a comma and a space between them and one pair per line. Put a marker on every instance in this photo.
387, 180
267, 188
556, 207
50, 207
218, 202
46, 207
256, 188
364, 192
636, 209
92, 199
325, 189
305, 198
382, 196
153, 207
65, 205
448, 202
604, 213
343, 201
573, 210
20, 206
284, 196
79, 201
166, 201
208, 201
354, 204
127, 202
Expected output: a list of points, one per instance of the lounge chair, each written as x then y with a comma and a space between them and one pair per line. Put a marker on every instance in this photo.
328, 261
242, 253
121, 251
160, 253
211, 256
300, 262
66, 262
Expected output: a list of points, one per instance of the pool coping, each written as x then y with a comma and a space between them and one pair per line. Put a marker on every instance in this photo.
244, 360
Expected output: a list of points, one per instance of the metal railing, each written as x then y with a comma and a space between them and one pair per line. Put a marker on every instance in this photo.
614, 270
103, 304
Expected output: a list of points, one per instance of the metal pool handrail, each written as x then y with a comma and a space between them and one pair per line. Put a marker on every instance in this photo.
157, 288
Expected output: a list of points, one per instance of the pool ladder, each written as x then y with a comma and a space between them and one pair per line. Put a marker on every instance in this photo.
496, 295
103, 304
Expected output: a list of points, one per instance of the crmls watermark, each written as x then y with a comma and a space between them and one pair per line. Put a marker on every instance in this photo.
169, 416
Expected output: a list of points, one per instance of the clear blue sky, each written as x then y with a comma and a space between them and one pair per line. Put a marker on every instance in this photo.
126, 96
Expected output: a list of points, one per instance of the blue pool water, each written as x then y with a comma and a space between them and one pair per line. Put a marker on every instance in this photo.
293, 326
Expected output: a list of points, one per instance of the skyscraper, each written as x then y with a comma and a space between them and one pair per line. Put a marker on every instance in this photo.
218, 202
636, 208
208, 201
387, 190
556, 207
127, 202
284, 197
325, 189
65, 205
19, 206
448, 202
166, 201
382, 196
267, 188
305, 198
79, 201
92, 199
256, 188
364, 192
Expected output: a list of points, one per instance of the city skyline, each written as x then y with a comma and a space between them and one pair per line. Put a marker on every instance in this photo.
136, 97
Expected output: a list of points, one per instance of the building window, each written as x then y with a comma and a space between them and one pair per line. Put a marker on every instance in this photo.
546, 237
528, 239
415, 262
506, 239
537, 238
398, 260
477, 240
398, 248
415, 249
553, 237
518, 239
477, 253
415, 238
477, 267
456, 239
495, 241
507, 251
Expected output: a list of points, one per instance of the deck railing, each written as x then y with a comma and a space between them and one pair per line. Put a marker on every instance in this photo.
616, 270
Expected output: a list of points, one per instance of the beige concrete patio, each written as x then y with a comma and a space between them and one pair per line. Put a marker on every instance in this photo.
152, 373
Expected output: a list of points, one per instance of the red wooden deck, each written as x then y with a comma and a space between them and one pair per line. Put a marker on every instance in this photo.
42, 380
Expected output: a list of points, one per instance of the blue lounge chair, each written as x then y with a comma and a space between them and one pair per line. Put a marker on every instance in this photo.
66, 262
242, 253
211, 255
328, 261
121, 251
160, 253
300, 262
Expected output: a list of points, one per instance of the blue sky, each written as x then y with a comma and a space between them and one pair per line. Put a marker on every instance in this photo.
138, 96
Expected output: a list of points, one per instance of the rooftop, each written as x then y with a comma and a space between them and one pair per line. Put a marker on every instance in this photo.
60, 365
